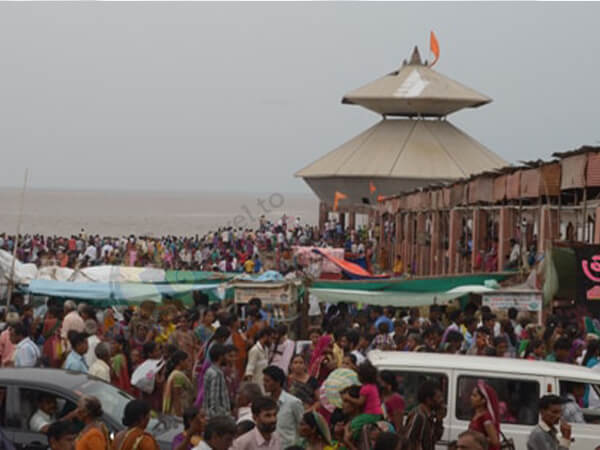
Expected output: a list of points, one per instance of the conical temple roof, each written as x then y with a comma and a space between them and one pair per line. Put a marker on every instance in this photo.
406, 148
415, 89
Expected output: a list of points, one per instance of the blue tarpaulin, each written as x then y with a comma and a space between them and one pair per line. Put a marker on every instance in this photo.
111, 293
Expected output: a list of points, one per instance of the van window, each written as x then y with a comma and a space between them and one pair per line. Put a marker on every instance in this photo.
518, 399
409, 382
579, 393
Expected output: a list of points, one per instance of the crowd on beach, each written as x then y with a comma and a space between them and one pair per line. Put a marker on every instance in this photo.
245, 384
227, 249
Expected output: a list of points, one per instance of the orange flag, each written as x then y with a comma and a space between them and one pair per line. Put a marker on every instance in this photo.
372, 187
435, 48
336, 198
380, 198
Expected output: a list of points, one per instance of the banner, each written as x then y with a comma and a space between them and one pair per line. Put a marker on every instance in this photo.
587, 260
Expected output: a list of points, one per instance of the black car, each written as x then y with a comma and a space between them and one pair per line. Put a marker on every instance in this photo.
21, 388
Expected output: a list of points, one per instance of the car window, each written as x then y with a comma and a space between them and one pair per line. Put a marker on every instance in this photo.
2, 406
517, 399
38, 408
409, 382
113, 400
583, 401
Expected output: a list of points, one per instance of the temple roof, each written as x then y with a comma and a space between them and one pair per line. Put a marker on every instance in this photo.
415, 89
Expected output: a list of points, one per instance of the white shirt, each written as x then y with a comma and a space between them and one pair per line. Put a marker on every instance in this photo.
90, 355
258, 360
245, 413
26, 353
91, 252
101, 370
39, 420
106, 249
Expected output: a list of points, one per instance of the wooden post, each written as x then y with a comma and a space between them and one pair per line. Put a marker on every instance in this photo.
434, 250
453, 237
505, 228
480, 218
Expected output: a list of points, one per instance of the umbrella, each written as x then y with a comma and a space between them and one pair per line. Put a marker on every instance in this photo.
337, 381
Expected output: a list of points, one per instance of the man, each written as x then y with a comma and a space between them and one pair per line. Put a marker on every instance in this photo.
572, 412
482, 342
61, 436
72, 320
45, 415
544, 435
471, 440
27, 354
353, 337
425, 423
432, 337
91, 330
455, 317
263, 436
290, 408
101, 366
218, 434
470, 325
562, 347
258, 357
76, 360
284, 348
7, 348
216, 401
382, 318
435, 314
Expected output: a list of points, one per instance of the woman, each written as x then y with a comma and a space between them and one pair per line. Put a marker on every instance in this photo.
151, 350
193, 427
591, 359
576, 350
239, 340
120, 370
322, 362
94, 435
393, 403
486, 418
135, 417
314, 335
179, 391
183, 337
315, 432
535, 351
300, 383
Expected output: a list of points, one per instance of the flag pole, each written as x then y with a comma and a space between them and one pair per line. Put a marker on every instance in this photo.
11, 281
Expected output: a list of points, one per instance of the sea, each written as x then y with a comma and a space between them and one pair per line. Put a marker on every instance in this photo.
146, 213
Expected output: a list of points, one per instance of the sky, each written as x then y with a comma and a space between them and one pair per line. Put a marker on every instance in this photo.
239, 96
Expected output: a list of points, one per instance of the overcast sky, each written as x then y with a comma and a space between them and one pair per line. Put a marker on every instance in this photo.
237, 97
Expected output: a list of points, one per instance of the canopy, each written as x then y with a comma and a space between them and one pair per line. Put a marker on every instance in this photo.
385, 298
111, 293
350, 269
402, 292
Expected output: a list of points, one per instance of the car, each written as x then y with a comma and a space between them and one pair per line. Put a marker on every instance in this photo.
21, 387
519, 383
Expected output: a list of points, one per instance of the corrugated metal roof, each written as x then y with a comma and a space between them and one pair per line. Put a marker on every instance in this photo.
405, 148
415, 89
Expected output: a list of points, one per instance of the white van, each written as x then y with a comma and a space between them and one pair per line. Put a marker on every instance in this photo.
519, 383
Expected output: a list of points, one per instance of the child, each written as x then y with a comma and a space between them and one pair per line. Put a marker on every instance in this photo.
369, 399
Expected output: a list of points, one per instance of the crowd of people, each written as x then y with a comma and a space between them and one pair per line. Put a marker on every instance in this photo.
227, 249
239, 381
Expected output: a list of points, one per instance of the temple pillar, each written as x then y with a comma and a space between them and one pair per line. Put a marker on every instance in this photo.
505, 233
453, 237
549, 228
480, 218
434, 250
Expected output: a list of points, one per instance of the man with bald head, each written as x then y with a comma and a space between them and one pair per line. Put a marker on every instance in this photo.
72, 321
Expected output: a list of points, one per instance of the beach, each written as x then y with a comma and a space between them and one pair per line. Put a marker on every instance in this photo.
117, 213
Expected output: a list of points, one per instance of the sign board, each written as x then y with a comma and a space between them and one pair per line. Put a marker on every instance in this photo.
269, 293
587, 276
521, 301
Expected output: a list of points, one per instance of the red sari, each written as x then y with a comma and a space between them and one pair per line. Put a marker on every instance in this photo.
120, 373
492, 415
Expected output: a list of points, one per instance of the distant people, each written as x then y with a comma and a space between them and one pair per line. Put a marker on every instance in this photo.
544, 435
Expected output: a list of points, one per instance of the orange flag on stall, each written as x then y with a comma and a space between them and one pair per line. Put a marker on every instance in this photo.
336, 198
372, 187
435, 48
